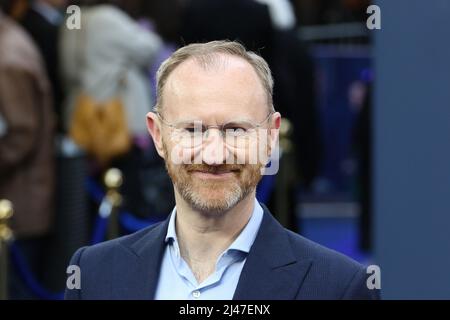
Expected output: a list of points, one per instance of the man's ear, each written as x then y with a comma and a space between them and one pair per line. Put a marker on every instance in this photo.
275, 124
154, 128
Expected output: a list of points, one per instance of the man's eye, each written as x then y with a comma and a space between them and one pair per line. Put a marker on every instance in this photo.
194, 129
235, 130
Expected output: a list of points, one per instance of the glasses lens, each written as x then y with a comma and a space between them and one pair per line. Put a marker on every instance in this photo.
239, 134
188, 135
235, 134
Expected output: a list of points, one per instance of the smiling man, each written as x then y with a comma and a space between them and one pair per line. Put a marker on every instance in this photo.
215, 126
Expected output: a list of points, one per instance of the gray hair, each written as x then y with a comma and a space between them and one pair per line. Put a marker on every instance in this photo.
205, 54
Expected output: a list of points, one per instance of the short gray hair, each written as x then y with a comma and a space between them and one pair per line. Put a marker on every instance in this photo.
205, 54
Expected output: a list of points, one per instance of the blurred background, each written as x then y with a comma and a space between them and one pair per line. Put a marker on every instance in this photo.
365, 165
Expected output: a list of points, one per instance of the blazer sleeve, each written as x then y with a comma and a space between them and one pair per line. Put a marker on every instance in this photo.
357, 288
75, 294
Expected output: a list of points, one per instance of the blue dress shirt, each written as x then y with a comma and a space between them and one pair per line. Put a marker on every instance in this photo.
176, 280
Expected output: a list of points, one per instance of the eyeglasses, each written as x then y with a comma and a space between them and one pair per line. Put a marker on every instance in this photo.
190, 134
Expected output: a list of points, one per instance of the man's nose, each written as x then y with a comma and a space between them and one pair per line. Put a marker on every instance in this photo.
214, 150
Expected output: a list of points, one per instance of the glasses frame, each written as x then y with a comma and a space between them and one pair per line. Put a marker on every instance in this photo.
219, 127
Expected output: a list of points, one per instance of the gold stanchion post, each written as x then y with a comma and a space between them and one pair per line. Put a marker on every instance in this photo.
6, 235
113, 181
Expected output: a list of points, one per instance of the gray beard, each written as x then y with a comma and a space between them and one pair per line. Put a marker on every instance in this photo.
209, 208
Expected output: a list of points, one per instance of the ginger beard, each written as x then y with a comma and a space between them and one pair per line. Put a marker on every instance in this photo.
213, 196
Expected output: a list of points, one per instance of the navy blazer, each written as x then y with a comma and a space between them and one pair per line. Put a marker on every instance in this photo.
280, 265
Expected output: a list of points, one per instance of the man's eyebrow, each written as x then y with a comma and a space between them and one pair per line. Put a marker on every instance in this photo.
189, 120
229, 121
237, 120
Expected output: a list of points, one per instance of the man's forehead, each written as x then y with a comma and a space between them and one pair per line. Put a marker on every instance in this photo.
225, 66
226, 86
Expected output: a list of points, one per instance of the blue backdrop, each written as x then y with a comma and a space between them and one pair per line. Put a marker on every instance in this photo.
412, 148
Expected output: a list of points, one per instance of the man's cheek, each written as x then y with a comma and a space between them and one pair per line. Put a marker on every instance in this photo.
180, 155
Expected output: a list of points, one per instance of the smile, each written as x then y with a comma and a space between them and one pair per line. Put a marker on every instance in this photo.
214, 175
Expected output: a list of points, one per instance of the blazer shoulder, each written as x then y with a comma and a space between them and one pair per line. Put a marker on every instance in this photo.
334, 274
106, 248
319, 253
100, 263
96, 258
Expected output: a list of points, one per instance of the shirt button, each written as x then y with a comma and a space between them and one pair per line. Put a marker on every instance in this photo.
196, 294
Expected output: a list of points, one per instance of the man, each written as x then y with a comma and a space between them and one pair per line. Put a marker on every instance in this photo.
257, 25
26, 154
214, 101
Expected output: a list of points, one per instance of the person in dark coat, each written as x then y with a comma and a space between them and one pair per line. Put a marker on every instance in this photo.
42, 21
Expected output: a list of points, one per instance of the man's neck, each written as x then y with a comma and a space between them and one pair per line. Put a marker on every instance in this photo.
202, 238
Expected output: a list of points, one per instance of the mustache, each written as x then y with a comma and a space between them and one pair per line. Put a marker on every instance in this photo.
214, 169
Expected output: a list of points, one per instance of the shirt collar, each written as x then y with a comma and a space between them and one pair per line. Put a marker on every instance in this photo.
245, 239
171, 233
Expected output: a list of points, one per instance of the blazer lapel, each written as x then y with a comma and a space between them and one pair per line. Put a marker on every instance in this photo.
143, 257
271, 271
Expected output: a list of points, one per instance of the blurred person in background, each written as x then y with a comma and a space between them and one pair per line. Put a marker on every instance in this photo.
317, 12
247, 21
42, 21
165, 16
293, 70
108, 57
281, 13
26, 146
